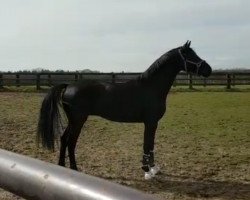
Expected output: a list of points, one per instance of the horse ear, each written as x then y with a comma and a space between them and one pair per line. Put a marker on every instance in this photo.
187, 44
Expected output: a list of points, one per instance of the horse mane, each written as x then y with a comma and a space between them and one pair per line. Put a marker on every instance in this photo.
157, 65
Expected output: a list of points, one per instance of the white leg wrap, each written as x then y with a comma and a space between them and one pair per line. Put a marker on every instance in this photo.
148, 176
152, 172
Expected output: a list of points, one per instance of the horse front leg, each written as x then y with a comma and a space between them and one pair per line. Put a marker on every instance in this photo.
148, 164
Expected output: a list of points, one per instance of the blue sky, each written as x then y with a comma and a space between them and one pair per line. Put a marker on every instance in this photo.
116, 35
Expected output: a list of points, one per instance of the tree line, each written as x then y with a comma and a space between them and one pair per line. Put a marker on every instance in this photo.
41, 70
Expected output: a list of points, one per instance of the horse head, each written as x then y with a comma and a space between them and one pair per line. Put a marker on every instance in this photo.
192, 63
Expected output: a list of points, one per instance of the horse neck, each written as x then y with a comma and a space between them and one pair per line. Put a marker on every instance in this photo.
166, 79
162, 80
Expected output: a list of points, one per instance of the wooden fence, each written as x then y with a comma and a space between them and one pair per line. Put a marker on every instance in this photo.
227, 79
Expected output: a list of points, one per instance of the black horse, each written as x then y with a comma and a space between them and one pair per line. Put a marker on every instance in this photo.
139, 100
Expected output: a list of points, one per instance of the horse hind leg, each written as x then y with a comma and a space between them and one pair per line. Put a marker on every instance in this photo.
76, 126
64, 141
64, 138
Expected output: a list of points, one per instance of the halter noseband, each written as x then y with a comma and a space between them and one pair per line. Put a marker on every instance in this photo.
198, 64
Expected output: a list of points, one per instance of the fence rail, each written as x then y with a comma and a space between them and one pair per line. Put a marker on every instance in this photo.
227, 79
34, 179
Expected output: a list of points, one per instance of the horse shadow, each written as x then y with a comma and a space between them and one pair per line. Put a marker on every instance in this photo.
190, 187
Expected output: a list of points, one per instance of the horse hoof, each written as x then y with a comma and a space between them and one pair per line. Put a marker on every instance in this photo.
148, 175
154, 170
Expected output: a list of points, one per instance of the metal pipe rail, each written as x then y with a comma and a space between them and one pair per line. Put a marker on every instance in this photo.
34, 179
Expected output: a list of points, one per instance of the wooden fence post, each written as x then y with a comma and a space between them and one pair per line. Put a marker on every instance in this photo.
49, 80
229, 80
76, 77
190, 81
17, 80
233, 80
204, 82
38, 86
1, 81
113, 77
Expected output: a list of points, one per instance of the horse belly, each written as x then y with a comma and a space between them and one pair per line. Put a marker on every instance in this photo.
120, 112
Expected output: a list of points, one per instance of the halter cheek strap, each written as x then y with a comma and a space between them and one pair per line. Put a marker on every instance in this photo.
198, 64
184, 60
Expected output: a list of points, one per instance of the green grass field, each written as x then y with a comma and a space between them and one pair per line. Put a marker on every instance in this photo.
202, 145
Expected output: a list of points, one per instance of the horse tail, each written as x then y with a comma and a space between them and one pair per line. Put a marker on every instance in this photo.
49, 119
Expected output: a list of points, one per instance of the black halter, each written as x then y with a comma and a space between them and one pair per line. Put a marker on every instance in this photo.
198, 64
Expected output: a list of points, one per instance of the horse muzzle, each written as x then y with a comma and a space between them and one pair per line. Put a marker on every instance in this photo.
205, 69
